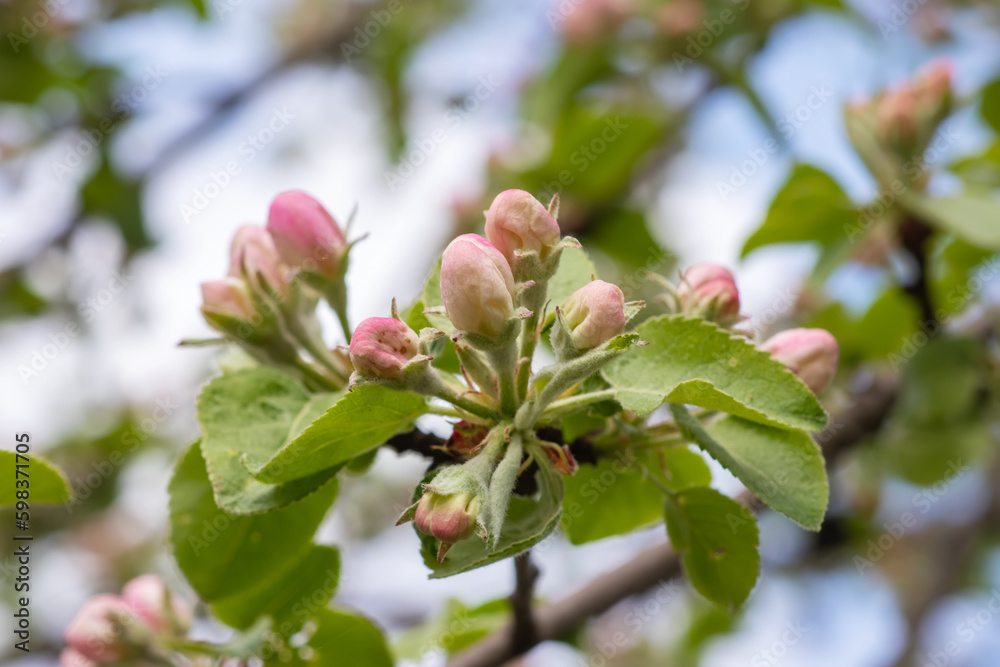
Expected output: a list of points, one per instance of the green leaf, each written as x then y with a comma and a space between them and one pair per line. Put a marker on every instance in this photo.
529, 521
614, 497
989, 107
344, 638
246, 417
928, 454
291, 599
717, 539
442, 349
223, 554
430, 296
457, 628
575, 270
811, 206
45, 482
784, 468
364, 418
972, 215
695, 362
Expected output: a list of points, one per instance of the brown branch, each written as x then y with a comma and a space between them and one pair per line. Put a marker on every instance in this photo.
524, 629
913, 237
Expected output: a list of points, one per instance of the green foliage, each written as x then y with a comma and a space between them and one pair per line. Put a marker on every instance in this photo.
529, 521
576, 269
972, 215
224, 555
810, 206
363, 419
614, 497
883, 329
246, 417
344, 638
290, 599
717, 539
45, 482
989, 106
937, 424
784, 468
456, 628
695, 362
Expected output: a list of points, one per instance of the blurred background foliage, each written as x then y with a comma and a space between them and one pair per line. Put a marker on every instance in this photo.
608, 97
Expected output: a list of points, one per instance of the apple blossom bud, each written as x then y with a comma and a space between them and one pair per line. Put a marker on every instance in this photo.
710, 290
148, 597
450, 518
254, 257
518, 221
477, 286
381, 347
306, 235
98, 631
73, 658
812, 354
594, 314
225, 301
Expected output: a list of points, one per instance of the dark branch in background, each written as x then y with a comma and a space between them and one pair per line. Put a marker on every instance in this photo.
861, 416
913, 236
524, 633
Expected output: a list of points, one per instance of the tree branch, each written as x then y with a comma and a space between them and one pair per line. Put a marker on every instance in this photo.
524, 632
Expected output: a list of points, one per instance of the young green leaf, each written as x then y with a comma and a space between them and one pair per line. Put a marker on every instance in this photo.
614, 497
246, 417
972, 215
695, 362
289, 600
344, 638
529, 521
717, 540
784, 468
575, 270
810, 206
48, 485
223, 554
364, 418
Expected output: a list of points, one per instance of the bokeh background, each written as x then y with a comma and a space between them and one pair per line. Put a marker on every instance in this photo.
136, 135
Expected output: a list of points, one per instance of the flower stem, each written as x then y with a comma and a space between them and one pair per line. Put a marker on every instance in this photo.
504, 360
562, 406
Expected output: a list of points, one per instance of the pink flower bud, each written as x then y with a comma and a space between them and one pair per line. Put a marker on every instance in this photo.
518, 221
710, 290
73, 658
228, 298
254, 257
595, 314
449, 518
306, 235
812, 354
477, 286
147, 596
98, 629
381, 346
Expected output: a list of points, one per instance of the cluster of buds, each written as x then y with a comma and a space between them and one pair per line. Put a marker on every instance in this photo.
267, 301
812, 354
705, 290
129, 627
896, 126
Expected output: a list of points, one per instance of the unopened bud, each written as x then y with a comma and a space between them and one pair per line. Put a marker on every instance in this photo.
254, 257
306, 235
381, 347
812, 354
98, 631
518, 221
594, 314
477, 286
709, 290
449, 518
72, 658
225, 302
149, 598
